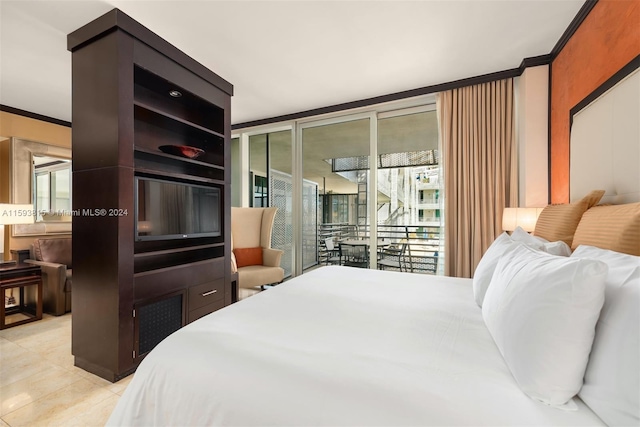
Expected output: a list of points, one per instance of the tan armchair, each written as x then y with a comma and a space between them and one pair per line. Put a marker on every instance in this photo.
54, 258
251, 228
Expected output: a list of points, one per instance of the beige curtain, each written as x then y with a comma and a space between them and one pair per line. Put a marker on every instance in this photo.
480, 169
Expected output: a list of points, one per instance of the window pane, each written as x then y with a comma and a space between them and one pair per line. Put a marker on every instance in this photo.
61, 190
408, 191
257, 169
42, 194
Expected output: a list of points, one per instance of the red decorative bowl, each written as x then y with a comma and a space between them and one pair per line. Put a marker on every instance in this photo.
181, 150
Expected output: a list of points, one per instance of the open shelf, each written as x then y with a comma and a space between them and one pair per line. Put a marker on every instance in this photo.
153, 91
171, 166
176, 122
158, 246
152, 130
181, 159
176, 250
163, 259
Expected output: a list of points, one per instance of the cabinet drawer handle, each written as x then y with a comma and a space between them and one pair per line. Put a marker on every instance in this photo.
206, 294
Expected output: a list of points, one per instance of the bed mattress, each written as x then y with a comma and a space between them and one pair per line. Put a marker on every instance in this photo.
338, 346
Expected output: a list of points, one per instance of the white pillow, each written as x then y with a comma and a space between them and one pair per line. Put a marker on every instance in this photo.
519, 235
486, 266
559, 248
500, 246
612, 379
541, 311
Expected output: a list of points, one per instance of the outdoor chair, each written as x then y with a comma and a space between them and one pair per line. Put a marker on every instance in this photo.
331, 253
392, 256
354, 255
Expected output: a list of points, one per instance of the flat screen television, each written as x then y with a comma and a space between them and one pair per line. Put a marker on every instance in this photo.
175, 210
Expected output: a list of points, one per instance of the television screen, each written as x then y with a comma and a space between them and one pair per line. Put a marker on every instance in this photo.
175, 210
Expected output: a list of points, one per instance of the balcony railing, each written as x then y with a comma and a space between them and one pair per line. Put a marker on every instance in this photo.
418, 245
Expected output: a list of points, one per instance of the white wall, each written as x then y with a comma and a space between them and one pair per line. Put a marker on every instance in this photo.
532, 103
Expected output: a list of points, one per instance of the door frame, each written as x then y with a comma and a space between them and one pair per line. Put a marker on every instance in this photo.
372, 183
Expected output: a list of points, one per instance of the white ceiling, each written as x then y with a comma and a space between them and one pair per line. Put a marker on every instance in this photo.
288, 56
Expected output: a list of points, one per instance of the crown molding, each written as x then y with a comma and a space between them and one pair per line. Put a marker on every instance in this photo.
35, 116
573, 27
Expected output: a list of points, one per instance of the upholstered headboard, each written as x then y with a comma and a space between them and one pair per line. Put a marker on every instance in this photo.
605, 154
605, 140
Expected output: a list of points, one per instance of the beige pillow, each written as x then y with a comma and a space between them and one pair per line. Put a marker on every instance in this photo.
613, 227
559, 222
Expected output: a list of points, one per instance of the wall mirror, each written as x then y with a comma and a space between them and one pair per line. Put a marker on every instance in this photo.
41, 175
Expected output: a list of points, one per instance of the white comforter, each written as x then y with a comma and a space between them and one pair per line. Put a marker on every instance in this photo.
337, 346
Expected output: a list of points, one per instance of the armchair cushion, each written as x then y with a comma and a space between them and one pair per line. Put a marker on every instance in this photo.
54, 258
53, 250
271, 257
248, 256
256, 275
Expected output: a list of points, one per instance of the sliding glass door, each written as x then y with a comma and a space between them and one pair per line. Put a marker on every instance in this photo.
409, 195
370, 179
335, 160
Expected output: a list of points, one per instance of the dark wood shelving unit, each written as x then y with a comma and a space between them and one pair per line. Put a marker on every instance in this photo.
133, 92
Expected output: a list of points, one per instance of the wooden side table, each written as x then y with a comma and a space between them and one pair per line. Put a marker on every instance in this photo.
19, 255
26, 306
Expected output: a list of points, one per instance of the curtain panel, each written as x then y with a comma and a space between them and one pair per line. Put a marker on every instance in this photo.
477, 129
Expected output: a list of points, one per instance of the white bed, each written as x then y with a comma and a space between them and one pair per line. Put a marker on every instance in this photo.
338, 346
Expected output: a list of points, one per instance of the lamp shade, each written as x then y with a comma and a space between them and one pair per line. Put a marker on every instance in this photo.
16, 214
525, 218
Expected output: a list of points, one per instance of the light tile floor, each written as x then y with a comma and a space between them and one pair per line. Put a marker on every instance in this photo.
246, 293
39, 386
